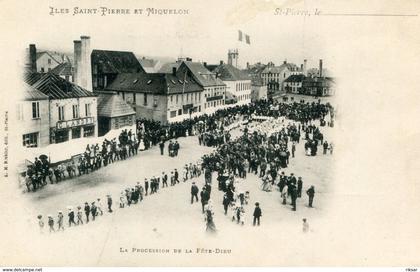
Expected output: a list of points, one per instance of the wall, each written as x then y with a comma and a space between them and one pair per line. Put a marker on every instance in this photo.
68, 110
42, 62
28, 125
241, 89
213, 105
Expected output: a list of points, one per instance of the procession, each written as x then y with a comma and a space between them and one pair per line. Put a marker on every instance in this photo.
249, 143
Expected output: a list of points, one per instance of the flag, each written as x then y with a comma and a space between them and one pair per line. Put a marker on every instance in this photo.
247, 39
241, 35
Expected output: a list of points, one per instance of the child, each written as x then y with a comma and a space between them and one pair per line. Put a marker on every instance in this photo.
51, 223
41, 224
79, 215
60, 220
122, 199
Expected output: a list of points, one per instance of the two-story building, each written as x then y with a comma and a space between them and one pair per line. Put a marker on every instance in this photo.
72, 109
164, 97
214, 88
238, 83
293, 84
33, 117
274, 76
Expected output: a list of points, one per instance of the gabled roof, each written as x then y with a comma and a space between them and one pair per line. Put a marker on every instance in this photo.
281, 68
57, 57
32, 94
167, 67
56, 87
158, 83
112, 105
295, 78
200, 73
115, 61
228, 72
63, 69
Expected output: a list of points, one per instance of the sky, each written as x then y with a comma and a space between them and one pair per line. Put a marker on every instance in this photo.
206, 33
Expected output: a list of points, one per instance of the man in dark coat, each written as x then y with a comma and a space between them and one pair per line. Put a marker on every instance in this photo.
299, 187
311, 194
146, 186
176, 175
194, 193
109, 201
87, 212
226, 202
161, 146
204, 198
93, 210
257, 214
293, 194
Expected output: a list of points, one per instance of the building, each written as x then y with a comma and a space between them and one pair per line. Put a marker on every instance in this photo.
274, 76
72, 109
107, 65
150, 65
214, 90
293, 84
33, 117
164, 97
64, 70
113, 113
233, 56
44, 61
258, 90
238, 83
318, 86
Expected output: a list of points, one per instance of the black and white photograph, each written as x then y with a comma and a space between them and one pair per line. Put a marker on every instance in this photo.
223, 133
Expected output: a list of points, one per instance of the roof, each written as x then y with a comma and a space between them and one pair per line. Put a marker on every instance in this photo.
167, 67
112, 105
115, 61
63, 69
57, 57
56, 87
227, 72
158, 83
295, 78
149, 65
31, 94
280, 69
200, 73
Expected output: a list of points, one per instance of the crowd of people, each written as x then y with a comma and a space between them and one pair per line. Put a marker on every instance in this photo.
262, 149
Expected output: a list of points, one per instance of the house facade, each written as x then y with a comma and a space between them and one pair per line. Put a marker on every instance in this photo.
161, 97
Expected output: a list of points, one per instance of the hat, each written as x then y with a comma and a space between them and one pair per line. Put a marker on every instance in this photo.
60, 212
86, 203
78, 207
39, 216
257, 204
49, 216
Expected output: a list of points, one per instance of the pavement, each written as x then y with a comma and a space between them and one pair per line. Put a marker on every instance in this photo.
168, 220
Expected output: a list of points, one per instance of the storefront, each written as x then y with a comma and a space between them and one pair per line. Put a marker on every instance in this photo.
72, 129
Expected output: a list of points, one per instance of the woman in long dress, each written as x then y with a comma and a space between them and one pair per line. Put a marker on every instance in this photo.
141, 145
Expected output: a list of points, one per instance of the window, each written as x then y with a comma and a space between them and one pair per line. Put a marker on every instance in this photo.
88, 131
35, 110
87, 109
30, 140
75, 133
176, 98
134, 98
75, 111
61, 136
61, 113
179, 112
172, 98
123, 95
145, 99
173, 114
199, 108
49, 61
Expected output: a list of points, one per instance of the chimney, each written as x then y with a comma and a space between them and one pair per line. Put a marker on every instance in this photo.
304, 67
221, 62
301, 67
285, 61
85, 64
247, 65
320, 68
77, 59
32, 57
174, 71
205, 64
